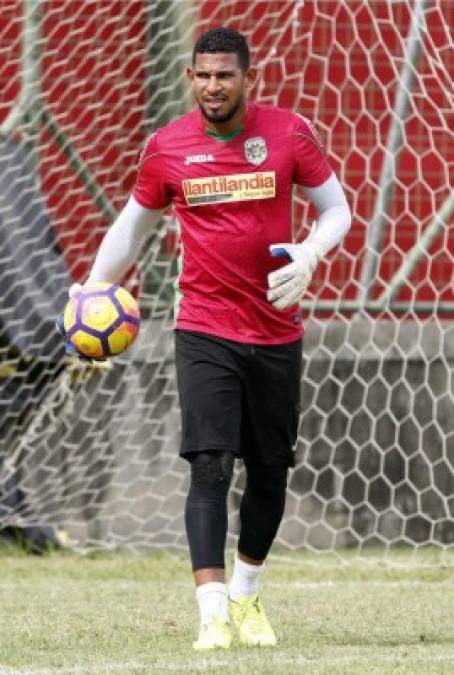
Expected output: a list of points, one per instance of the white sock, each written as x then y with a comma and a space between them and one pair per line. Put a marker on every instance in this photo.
212, 599
245, 579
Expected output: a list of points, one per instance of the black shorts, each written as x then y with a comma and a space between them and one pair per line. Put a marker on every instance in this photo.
238, 397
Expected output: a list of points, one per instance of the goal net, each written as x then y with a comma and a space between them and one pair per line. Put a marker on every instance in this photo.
93, 451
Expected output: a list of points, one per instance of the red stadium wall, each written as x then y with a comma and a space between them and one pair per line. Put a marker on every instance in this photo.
332, 67
98, 93
96, 90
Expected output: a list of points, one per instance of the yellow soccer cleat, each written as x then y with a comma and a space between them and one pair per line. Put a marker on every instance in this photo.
217, 634
249, 618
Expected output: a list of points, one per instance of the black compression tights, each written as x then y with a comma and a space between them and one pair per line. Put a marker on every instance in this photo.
261, 509
206, 508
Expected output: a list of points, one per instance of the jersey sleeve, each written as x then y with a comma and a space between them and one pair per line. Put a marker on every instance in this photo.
311, 167
151, 189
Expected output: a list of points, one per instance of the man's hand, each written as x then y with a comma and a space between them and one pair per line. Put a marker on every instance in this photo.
70, 349
287, 285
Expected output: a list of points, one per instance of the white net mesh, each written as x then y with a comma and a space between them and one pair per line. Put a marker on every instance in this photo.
95, 451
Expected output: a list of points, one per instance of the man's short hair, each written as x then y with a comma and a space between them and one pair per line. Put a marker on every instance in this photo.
223, 41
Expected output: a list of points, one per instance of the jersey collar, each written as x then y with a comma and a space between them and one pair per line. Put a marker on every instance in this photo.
248, 119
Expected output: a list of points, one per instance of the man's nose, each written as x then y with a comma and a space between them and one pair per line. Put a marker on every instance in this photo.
213, 84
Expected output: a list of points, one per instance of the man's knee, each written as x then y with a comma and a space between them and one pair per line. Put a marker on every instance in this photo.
213, 469
268, 480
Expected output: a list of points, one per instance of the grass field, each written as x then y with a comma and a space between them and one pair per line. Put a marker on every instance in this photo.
118, 613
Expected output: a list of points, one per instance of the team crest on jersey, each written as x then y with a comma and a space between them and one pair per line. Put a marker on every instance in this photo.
255, 150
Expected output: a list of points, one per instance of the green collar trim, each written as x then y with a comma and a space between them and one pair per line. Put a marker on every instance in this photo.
224, 137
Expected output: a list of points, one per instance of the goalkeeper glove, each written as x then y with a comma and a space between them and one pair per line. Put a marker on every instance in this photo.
287, 285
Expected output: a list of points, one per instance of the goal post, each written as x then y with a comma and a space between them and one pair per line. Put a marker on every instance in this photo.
94, 451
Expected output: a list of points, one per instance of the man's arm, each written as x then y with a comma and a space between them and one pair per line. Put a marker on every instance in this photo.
118, 250
122, 243
334, 215
287, 285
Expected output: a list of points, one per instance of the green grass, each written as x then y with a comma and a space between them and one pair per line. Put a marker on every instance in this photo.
117, 613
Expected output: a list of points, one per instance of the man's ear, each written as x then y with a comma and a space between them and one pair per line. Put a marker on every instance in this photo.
250, 77
190, 73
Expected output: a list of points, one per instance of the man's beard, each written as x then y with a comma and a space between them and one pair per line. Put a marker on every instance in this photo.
221, 119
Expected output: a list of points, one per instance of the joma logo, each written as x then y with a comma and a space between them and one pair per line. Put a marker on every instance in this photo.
198, 159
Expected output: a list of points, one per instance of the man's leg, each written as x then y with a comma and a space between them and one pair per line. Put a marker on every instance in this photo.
210, 384
262, 508
261, 511
269, 431
206, 527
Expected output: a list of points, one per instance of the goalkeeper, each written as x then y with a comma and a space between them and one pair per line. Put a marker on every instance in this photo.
228, 167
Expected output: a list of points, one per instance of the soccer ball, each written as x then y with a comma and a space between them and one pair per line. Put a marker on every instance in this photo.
101, 320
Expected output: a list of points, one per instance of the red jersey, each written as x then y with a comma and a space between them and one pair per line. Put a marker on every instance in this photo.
233, 198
